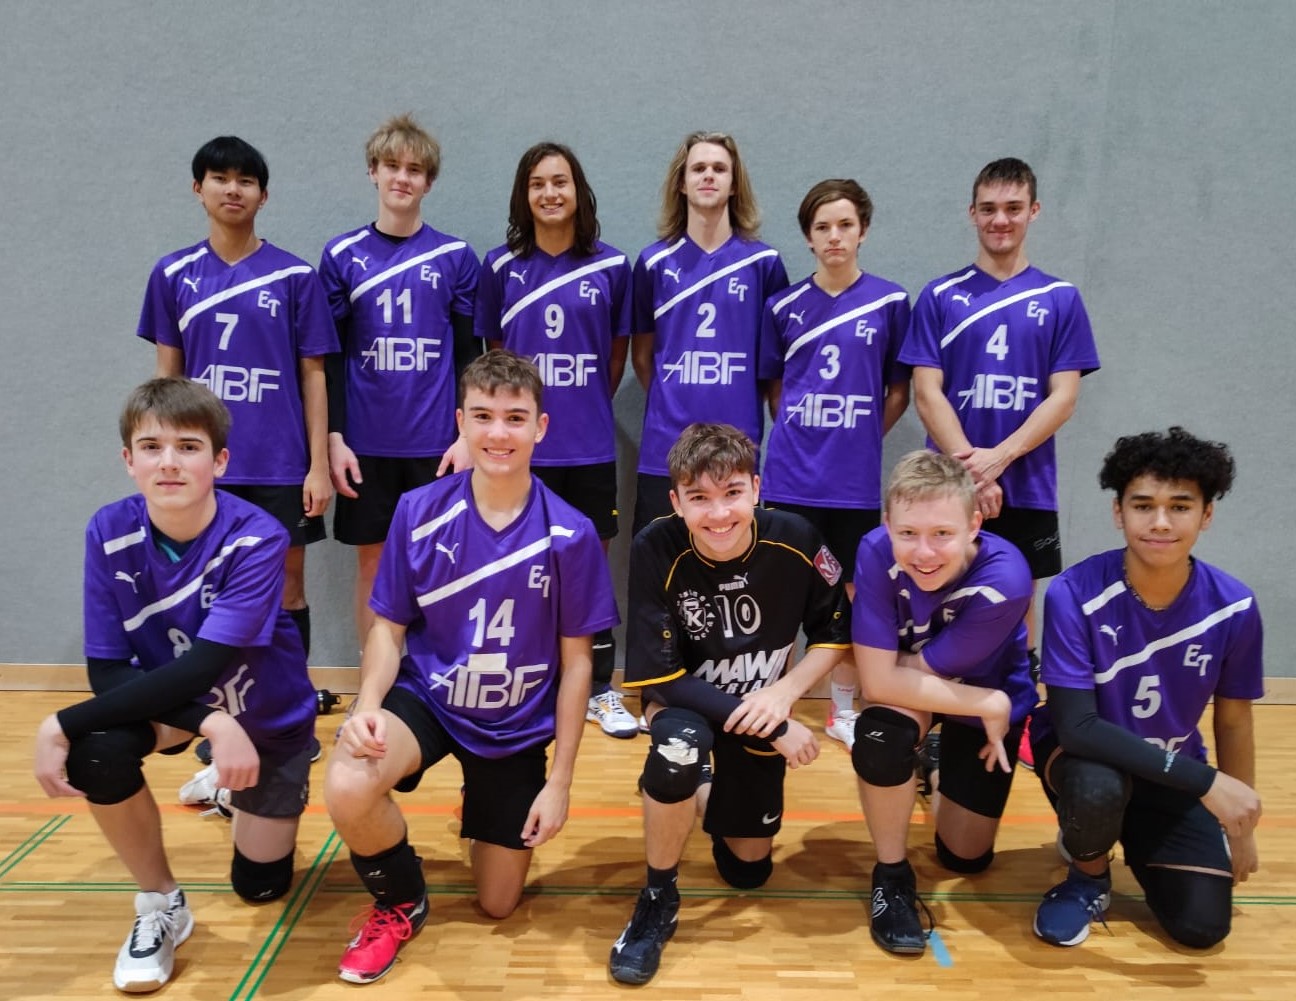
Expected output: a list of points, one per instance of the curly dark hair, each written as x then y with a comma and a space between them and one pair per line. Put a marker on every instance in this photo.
1169, 455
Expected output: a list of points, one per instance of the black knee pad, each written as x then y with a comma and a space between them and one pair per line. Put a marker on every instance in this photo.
885, 751
959, 864
737, 873
259, 882
108, 765
1091, 806
681, 745
1194, 908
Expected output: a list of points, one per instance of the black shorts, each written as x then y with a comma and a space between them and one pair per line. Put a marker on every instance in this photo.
364, 520
498, 792
652, 499
1161, 826
590, 489
283, 786
841, 528
963, 776
747, 791
1035, 533
284, 503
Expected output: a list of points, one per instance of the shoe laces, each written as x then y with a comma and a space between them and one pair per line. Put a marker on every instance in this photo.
903, 890
377, 921
1089, 892
610, 701
150, 928
650, 913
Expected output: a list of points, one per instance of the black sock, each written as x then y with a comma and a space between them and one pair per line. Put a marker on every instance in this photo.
301, 619
663, 879
394, 876
894, 872
604, 660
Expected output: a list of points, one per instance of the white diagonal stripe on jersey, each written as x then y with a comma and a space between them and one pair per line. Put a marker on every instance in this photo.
558, 282
365, 286
230, 293
342, 245
123, 541
989, 593
711, 279
428, 527
176, 597
648, 264
1187, 633
994, 307
503, 260
792, 297
175, 266
1095, 603
494, 567
953, 281
837, 321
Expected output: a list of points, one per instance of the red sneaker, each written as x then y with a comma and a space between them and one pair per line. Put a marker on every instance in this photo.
384, 929
1025, 756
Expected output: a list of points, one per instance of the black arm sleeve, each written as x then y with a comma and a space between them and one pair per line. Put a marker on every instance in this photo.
151, 694
334, 373
1083, 733
466, 345
690, 692
107, 674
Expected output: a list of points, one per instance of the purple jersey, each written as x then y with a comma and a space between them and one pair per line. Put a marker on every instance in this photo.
242, 328
998, 343
485, 610
562, 312
1151, 672
971, 630
392, 301
704, 311
836, 357
226, 588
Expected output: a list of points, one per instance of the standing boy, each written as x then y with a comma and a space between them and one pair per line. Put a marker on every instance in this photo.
493, 586
250, 322
184, 634
937, 624
717, 596
398, 290
828, 353
558, 295
1137, 642
699, 293
997, 351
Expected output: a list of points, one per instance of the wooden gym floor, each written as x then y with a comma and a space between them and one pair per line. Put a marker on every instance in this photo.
66, 903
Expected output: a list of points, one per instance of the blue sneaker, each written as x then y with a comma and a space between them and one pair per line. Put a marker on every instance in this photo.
1067, 910
637, 953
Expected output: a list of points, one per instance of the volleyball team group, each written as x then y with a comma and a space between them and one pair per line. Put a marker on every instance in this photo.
461, 413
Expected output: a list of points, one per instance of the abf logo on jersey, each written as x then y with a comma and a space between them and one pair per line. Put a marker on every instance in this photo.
826, 563
487, 682
695, 613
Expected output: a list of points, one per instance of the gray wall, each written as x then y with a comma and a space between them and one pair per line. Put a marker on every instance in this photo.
1161, 131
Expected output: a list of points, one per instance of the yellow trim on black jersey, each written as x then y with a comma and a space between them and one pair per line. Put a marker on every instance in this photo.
828, 646
791, 549
654, 681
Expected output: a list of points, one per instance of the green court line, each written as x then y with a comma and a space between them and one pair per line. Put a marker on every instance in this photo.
38, 886
33, 842
292, 913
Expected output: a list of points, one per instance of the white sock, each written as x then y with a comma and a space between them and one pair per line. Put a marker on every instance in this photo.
843, 698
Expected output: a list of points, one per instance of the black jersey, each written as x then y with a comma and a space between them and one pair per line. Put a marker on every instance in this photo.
731, 624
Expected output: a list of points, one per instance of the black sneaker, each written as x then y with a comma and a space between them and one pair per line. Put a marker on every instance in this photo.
896, 925
203, 751
637, 953
928, 762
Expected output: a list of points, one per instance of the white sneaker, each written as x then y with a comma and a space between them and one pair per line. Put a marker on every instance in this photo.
842, 727
643, 724
606, 710
147, 957
201, 790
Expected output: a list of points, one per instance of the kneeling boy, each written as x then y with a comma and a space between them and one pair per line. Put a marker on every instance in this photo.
184, 634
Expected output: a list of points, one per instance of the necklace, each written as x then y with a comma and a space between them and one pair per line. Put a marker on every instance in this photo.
1192, 564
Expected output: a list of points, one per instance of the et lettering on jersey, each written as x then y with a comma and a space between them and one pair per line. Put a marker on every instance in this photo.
732, 624
971, 630
485, 610
392, 302
704, 312
836, 357
997, 344
243, 329
563, 313
226, 588
1152, 672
